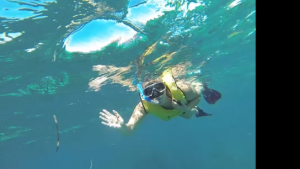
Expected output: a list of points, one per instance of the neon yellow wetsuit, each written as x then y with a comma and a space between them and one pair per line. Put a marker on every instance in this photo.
177, 94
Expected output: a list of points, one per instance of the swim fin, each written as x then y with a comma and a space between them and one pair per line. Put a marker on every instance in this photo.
201, 113
210, 95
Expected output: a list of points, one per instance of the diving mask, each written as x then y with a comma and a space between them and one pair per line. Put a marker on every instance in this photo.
152, 91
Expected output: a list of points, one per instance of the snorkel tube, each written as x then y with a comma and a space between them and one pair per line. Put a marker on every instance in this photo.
140, 88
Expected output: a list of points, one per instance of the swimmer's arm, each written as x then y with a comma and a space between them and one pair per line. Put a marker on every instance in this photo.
191, 104
192, 91
192, 95
136, 118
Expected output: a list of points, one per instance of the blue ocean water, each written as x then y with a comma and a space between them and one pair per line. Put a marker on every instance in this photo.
49, 66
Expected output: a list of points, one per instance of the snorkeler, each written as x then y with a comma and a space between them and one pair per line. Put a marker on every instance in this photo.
165, 98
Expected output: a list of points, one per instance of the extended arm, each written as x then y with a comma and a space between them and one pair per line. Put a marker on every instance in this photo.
116, 121
135, 120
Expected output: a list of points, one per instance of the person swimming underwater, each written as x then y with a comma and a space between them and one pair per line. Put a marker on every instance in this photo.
165, 98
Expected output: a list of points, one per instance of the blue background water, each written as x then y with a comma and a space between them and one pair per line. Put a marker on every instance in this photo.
224, 140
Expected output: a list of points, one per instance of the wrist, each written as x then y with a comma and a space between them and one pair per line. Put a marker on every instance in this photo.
126, 129
123, 125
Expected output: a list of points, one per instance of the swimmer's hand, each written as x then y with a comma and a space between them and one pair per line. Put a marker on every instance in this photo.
179, 106
115, 121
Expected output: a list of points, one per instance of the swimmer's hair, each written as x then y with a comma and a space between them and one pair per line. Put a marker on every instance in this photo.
147, 83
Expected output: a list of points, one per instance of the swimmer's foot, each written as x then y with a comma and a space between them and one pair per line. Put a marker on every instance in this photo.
201, 113
210, 95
